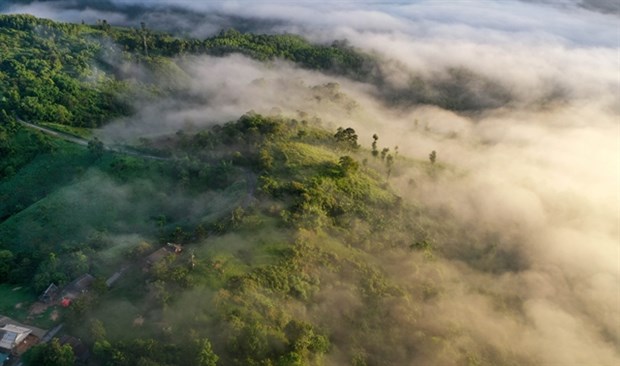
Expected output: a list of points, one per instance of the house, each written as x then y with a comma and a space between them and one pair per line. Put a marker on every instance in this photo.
156, 256
50, 295
161, 253
11, 336
78, 287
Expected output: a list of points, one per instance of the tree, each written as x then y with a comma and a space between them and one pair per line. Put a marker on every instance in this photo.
50, 354
206, 356
347, 136
375, 152
432, 156
384, 152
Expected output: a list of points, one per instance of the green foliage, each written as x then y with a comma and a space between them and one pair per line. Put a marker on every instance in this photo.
7, 261
50, 354
44, 68
65, 213
339, 57
302, 338
146, 352
206, 356
264, 175
374, 150
348, 165
347, 137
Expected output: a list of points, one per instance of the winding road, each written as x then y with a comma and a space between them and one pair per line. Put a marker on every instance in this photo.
83, 142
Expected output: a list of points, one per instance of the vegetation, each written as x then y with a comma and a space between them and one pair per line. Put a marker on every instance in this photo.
283, 229
52, 354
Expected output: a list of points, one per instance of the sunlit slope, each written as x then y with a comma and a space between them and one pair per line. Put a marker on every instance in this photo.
310, 231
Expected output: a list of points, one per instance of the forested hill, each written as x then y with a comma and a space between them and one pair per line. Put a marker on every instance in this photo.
72, 74
288, 245
270, 211
77, 75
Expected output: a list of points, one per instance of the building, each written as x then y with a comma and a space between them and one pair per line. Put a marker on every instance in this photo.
161, 253
11, 336
16, 338
78, 287
50, 295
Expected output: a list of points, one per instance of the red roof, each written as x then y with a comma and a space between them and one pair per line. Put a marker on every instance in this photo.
65, 302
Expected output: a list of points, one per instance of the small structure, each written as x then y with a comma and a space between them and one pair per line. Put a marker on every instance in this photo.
78, 287
50, 294
65, 302
174, 248
11, 336
161, 253
110, 281
156, 256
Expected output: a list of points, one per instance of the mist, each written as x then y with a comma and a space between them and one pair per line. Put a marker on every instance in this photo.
534, 179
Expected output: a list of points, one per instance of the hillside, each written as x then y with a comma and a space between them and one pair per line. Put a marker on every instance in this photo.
264, 199
274, 213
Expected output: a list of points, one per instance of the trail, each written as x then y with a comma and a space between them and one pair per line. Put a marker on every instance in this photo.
83, 142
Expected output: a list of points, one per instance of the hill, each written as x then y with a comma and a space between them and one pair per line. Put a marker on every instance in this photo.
287, 238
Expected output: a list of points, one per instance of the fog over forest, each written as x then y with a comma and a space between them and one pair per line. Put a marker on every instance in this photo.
530, 152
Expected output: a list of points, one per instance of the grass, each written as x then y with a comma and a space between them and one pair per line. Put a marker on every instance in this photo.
305, 154
43, 175
11, 296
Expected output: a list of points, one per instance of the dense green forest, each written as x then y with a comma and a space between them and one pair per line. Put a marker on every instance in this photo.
73, 74
284, 224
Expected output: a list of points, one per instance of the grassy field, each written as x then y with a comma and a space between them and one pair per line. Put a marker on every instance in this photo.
15, 301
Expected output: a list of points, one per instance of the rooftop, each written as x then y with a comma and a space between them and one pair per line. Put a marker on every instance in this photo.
12, 335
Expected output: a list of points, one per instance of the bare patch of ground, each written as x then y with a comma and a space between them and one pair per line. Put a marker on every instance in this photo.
38, 308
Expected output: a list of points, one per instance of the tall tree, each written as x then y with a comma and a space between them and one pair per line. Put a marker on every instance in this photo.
384, 152
206, 356
432, 156
375, 152
347, 136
